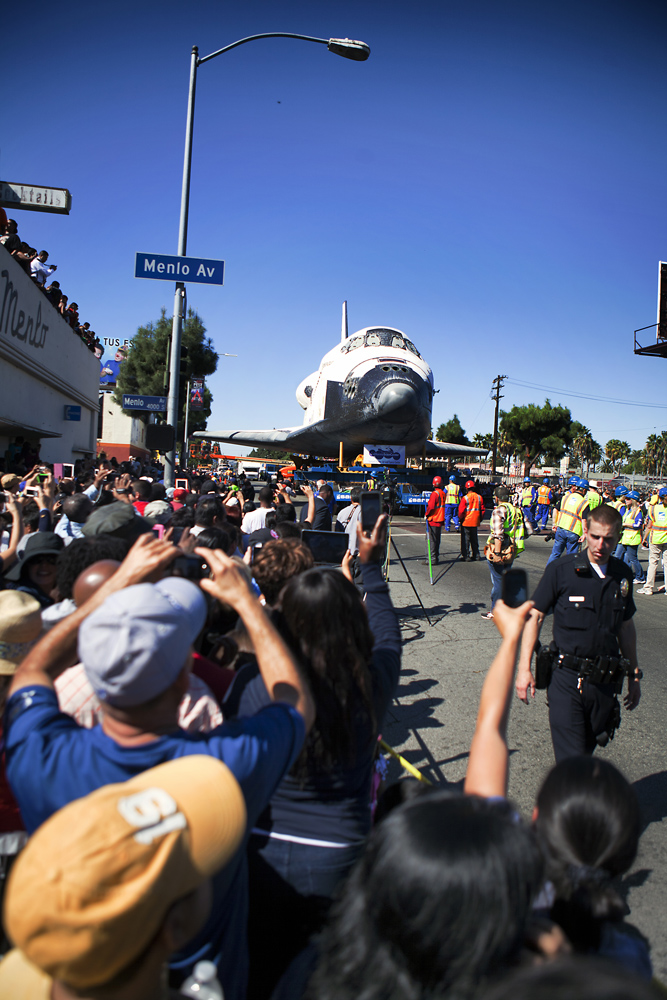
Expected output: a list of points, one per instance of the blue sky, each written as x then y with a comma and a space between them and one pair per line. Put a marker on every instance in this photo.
491, 181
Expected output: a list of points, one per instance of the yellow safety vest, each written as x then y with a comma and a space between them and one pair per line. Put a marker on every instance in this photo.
527, 496
513, 526
543, 495
617, 504
453, 493
571, 507
630, 535
594, 499
659, 525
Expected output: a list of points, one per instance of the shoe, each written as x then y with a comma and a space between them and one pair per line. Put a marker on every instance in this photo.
488, 615
644, 590
637, 582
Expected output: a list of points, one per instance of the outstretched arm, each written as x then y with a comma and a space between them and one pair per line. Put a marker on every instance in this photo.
487, 763
276, 664
525, 678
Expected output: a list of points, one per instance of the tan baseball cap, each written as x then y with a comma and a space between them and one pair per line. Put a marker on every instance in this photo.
20, 625
92, 887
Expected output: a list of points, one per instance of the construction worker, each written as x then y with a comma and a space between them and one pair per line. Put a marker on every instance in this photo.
507, 536
631, 536
471, 512
568, 520
545, 498
619, 499
528, 498
452, 500
435, 517
594, 497
656, 537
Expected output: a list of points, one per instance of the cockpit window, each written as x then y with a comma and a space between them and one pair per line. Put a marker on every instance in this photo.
352, 344
379, 337
373, 338
411, 347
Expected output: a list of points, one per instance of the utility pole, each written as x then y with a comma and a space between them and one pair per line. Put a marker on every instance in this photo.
498, 384
184, 463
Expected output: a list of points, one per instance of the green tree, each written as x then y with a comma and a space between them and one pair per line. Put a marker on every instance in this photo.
617, 452
144, 371
272, 456
452, 432
483, 441
537, 430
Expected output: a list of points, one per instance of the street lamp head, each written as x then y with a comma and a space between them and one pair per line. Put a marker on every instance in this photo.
349, 48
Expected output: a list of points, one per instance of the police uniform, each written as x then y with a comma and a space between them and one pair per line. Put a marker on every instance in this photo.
588, 613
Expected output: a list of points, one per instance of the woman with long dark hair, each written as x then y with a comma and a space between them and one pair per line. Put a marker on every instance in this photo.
319, 817
588, 823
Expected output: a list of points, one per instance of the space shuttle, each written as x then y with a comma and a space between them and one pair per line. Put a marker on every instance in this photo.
373, 387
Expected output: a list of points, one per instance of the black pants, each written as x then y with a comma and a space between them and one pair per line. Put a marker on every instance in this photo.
469, 542
577, 717
434, 532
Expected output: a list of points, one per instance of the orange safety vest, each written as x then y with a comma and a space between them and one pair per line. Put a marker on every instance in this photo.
473, 514
437, 514
543, 495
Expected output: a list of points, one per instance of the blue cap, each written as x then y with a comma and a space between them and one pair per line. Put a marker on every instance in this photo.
583, 484
134, 646
573, 481
621, 491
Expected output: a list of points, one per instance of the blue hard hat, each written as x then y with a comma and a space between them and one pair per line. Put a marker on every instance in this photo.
527, 479
662, 492
583, 484
545, 482
621, 491
633, 495
452, 479
573, 481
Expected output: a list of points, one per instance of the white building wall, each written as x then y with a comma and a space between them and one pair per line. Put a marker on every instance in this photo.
44, 367
120, 427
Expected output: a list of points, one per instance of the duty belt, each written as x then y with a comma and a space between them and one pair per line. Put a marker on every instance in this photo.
600, 670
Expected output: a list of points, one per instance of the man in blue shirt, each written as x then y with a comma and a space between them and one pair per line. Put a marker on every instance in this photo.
135, 640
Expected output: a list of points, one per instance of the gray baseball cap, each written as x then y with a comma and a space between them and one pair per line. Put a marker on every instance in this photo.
135, 645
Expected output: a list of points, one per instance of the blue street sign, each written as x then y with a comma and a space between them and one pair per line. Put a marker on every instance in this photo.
72, 413
157, 404
166, 268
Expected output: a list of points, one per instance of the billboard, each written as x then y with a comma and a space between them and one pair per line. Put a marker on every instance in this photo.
111, 355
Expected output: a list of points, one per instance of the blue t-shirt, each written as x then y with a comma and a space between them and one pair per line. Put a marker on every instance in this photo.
51, 761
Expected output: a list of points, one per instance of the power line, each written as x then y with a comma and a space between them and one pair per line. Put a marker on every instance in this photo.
585, 395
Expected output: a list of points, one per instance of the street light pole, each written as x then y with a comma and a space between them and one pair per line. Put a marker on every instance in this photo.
346, 47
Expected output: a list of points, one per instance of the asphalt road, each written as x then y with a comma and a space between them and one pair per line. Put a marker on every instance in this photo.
431, 722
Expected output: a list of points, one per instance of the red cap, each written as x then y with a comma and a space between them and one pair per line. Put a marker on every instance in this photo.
470, 485
180, 495
437, 481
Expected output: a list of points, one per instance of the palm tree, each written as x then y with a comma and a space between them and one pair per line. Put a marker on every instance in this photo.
617, 452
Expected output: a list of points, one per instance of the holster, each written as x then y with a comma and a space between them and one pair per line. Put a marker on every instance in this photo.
543, 666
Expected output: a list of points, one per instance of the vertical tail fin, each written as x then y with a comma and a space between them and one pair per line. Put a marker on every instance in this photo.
343, 329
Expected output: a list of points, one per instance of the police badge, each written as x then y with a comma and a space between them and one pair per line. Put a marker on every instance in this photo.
625, 587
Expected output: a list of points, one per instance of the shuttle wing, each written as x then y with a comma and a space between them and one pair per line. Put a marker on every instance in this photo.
437, 448
255, 439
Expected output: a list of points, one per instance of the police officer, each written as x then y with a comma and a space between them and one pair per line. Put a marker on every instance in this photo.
594, 644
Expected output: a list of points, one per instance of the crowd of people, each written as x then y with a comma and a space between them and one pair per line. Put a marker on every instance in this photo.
189, 789
36, 266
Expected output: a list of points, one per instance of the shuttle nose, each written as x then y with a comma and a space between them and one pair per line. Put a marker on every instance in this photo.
397, 402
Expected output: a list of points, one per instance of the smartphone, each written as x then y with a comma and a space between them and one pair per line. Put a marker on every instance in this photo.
41, 477
515, 587
159, 530
30, 491
68, 471
326, 546
190, 567
181, 484
371, 509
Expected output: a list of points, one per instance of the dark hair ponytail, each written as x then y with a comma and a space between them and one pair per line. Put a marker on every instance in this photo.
588, 824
